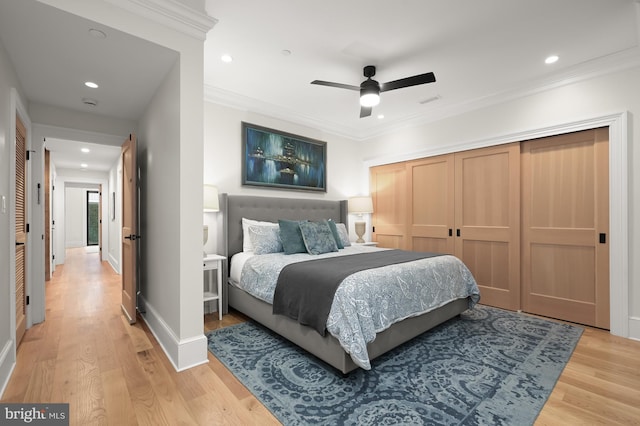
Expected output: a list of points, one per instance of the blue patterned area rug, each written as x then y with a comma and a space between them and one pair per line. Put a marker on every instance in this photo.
487, 366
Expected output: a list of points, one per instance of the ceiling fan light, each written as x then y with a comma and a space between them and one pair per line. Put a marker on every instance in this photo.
369, 99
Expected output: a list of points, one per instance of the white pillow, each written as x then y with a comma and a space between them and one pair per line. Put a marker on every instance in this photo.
246, 240
265, 239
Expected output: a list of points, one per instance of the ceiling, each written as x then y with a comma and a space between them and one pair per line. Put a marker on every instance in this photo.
67, 154
54, 53
481, 52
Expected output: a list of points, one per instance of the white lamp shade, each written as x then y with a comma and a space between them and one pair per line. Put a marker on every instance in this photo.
210, 201
360, 205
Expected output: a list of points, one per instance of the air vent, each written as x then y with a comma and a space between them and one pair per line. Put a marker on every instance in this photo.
431, 99
90, 101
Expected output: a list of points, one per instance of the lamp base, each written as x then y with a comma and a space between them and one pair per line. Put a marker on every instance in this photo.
360, 229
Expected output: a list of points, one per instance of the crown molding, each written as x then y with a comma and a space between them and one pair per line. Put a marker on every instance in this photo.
171, 13
245, 103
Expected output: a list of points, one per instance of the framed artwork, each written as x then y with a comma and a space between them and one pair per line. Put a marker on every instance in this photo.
271, 158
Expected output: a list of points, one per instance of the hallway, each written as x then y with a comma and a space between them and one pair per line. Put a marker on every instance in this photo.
85, 353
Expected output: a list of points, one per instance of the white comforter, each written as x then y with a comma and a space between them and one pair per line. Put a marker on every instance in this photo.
367, 302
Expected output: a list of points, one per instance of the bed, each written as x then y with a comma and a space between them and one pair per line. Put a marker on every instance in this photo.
328, 347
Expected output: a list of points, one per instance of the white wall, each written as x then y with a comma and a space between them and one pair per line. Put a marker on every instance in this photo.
114, 218
74, 217
511, 121
183, 340
158, 162
8, 80
346, 173
79, 182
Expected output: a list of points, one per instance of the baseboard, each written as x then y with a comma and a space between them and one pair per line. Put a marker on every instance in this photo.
114, 263
634, 328
7, 364
183, 354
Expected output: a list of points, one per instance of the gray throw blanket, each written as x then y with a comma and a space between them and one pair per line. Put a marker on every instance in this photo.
305, 290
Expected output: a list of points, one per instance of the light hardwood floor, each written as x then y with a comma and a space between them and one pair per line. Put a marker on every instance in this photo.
86, 354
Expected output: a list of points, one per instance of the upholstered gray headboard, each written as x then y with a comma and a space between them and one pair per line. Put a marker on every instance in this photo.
270, 209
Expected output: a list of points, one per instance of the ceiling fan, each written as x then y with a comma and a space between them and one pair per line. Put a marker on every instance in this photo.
370, 89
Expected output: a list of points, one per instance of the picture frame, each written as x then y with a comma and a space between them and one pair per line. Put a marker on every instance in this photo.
276, 159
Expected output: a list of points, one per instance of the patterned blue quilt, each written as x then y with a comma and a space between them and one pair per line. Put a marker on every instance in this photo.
370, 301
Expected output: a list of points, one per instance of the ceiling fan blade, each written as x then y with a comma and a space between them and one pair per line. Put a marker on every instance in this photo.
338, 85
408, 81
365, 111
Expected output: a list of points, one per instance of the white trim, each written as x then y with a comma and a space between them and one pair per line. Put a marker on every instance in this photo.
56, 132
172, 14
618, 197
5, 361
115, 264
183, 354
634, 328
619, 225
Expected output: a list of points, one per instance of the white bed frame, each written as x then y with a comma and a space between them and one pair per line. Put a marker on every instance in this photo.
327, 348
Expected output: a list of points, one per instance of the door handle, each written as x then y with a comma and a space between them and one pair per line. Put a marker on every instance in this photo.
132, 237
18, 243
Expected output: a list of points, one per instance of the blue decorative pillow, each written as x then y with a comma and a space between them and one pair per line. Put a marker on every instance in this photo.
336, 235
318, 237
344, 234
265, 239
291, 237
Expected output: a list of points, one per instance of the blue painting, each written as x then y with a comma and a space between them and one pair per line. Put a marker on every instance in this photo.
277, 159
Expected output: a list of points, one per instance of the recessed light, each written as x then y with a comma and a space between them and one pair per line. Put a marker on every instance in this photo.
226, 58
380, 116
84, 165
91, 84
85, 150
551, 59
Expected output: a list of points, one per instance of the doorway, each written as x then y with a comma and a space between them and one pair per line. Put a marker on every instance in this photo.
93, 218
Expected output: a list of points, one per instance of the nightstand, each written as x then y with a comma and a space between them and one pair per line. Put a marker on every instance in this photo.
214, 262
368, 243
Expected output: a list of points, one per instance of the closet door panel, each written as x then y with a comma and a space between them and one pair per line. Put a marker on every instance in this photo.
389, 195
487, 221
430, 213
565, 210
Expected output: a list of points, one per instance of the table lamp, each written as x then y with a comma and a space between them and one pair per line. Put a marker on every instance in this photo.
360, 206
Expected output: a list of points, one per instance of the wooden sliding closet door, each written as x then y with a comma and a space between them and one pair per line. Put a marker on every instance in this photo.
565, 220
487, 220
430, 213
389, 194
